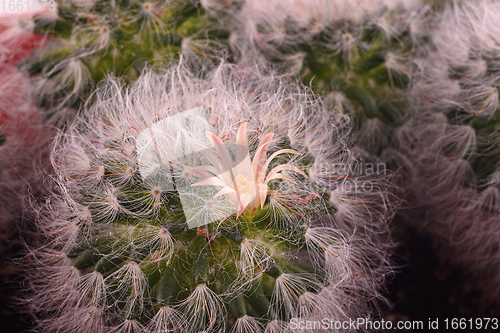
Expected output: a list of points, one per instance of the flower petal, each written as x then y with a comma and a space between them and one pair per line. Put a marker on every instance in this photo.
224, 190
200, 172
245, 199
226, 162
280, 168
211, 181
260, 155
211, 156
282, 151
280, 176
244, 166
241, 136
262, 193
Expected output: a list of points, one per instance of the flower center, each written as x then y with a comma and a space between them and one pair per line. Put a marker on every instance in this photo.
243, 185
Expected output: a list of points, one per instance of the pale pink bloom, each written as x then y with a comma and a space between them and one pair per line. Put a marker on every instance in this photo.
246, 184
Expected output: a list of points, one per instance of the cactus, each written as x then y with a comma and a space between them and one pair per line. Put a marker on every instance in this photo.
93, 38
457, 88
354, 53
188, 204
456, 91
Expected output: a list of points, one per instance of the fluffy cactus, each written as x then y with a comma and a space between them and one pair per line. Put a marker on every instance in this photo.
184, 204
458, 153
355, 53
92, 39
